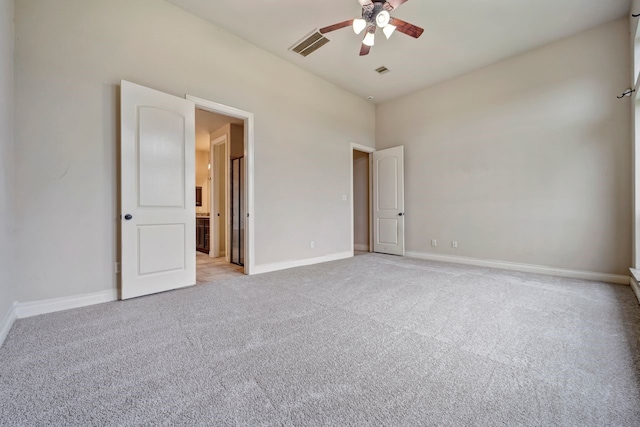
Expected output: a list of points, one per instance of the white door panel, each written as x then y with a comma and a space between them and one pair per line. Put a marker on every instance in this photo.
388, 201
161, 151
161, 248
388, 183
388, 231
157, 190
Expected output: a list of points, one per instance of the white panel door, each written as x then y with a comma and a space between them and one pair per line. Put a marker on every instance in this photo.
388, 201
157, 190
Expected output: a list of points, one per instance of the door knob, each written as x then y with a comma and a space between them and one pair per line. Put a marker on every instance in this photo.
401, 214
128, 217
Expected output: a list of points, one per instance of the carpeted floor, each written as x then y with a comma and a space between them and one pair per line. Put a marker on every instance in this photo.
372, 340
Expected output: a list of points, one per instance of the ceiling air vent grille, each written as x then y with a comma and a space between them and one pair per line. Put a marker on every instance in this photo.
382, 70
310, 44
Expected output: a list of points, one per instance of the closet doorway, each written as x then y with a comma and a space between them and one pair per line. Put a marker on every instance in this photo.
361, 198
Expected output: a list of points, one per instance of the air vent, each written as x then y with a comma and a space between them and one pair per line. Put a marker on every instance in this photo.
310, 44
382, 70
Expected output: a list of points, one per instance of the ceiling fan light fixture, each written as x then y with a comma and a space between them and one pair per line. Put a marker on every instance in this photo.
369, 39
389, 30
375, 14
383, 19
359, 25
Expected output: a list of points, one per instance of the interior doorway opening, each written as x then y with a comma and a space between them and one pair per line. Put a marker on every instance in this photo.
361, 202
248, 221
361, 198
219, 138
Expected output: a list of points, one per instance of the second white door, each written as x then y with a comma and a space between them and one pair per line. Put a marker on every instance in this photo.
388, 201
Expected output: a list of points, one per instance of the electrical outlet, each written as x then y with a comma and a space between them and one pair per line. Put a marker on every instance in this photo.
313, 244
344, 198
117, 268
454, 244
434, 242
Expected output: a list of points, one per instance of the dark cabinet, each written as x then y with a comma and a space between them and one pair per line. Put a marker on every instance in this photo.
202, 235
198, 196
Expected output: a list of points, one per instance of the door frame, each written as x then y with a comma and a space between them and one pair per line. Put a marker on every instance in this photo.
222, 140
365, 149
249, 126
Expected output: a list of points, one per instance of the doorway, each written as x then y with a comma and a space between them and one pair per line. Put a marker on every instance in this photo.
218, 137
219, 184
240, 141
385, 212
361, 200
163, 196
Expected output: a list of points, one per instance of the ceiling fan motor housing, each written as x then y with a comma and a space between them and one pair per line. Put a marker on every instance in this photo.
369, 14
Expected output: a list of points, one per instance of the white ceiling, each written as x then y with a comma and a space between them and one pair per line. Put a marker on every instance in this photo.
460, 36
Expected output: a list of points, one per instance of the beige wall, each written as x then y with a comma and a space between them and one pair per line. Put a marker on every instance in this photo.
527, 160
70, 58
8, 286
361, 199
202, 179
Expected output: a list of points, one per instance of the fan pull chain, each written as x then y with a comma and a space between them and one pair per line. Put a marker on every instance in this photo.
626, 93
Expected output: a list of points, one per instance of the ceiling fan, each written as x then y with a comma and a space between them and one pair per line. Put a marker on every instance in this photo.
375, 13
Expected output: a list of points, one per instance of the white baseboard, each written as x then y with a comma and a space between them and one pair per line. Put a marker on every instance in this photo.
7, 323
525, 268
35, 308
276, 266
634, 283
360, 247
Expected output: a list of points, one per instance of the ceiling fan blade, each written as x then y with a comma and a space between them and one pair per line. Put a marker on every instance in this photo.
364, 50
395, 3
334, 27
406, 28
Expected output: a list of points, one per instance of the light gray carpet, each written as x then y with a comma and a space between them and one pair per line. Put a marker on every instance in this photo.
372, 340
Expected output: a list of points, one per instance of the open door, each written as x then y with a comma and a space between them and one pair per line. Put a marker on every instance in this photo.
388, 201
157, 190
